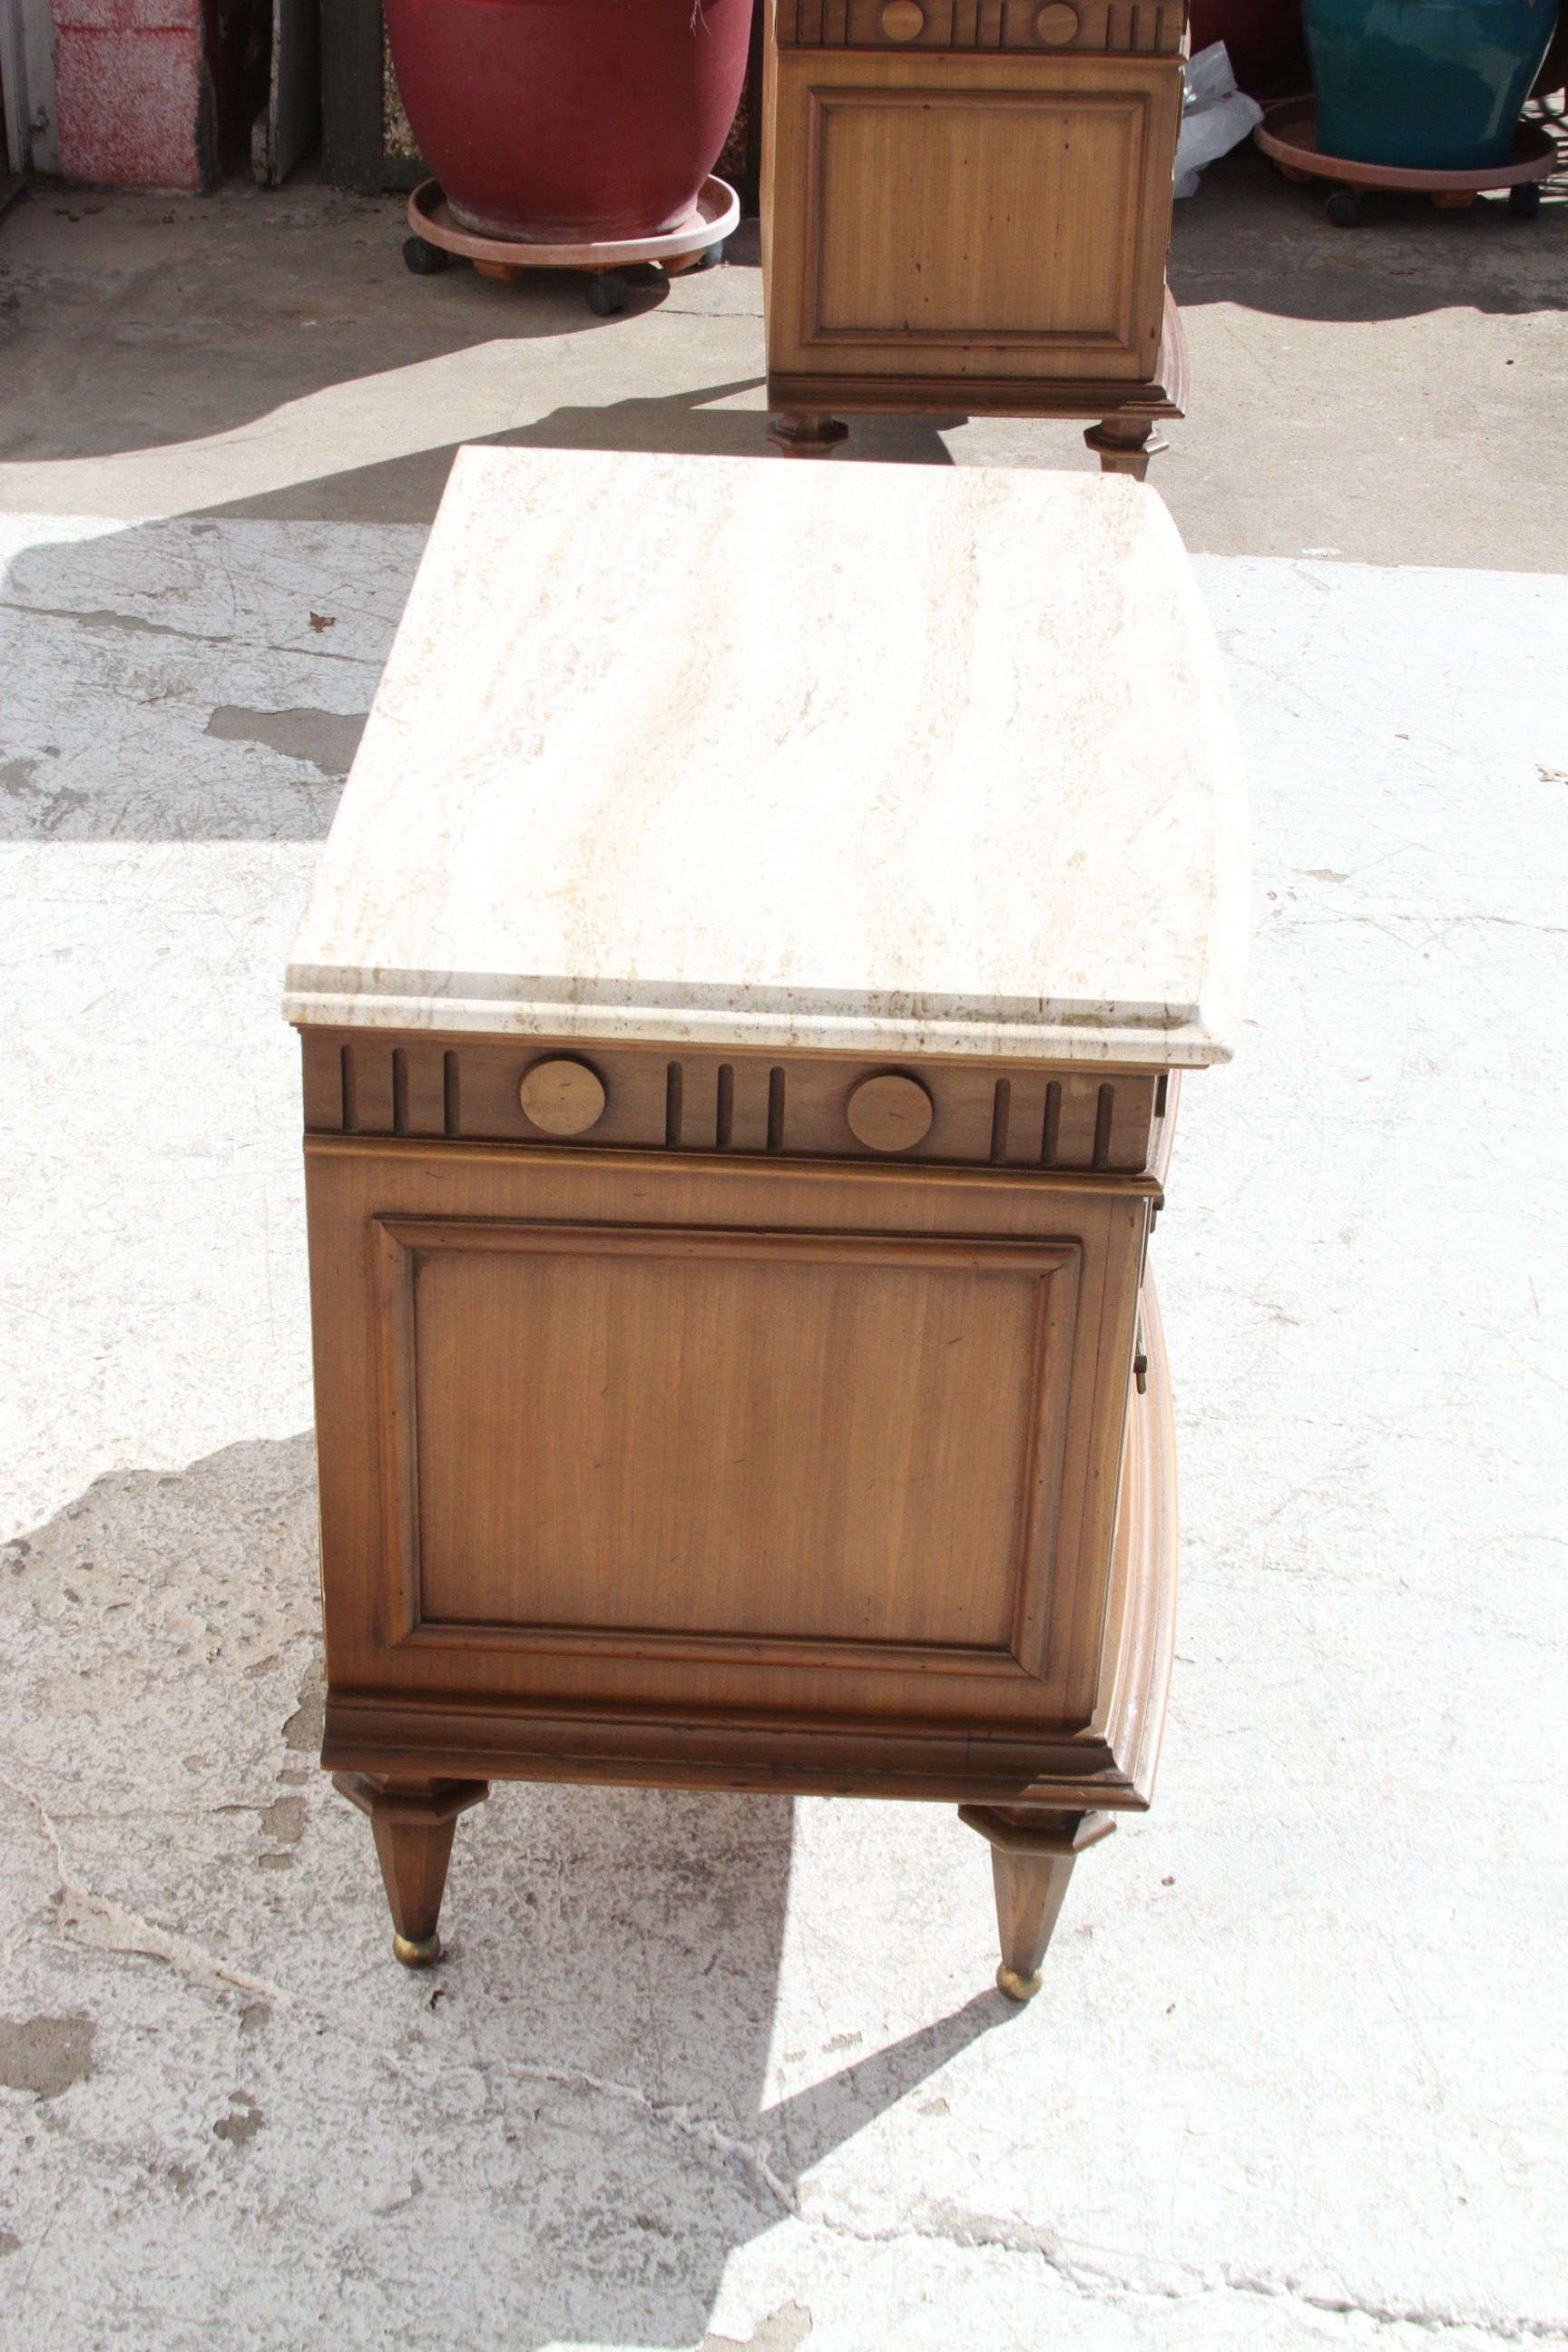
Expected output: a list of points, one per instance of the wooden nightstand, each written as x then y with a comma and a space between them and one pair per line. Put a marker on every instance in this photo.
740, 1054
966, 205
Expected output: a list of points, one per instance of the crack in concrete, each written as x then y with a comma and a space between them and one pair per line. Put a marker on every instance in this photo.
666, 2113
132, 625
1093, 2277
131, 622
89, 1920
1085, 2271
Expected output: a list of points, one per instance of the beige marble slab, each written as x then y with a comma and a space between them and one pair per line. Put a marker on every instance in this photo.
875, 758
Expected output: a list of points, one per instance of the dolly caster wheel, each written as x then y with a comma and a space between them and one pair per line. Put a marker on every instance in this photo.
425, 260
1345, 208
609, 294
1524, 202
712, 257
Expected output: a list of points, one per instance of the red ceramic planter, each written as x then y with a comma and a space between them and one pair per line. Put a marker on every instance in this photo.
1262, 39
574, 120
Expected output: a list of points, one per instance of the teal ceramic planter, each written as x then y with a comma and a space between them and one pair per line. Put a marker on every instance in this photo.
1424, 85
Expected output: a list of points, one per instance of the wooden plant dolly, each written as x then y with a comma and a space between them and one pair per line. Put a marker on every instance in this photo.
741, 1038
696, 242
1289, 135
966, 208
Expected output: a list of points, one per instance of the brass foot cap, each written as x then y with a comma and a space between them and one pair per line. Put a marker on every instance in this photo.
421, 1955
1015, 1987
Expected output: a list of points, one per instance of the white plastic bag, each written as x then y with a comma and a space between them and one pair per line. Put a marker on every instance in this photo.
1215, 116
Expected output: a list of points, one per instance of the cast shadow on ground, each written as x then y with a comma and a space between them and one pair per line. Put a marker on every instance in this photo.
668, 1910
169, 681
612, 1975
1253, 238
166, 681
691, 423
127, 410
680, 424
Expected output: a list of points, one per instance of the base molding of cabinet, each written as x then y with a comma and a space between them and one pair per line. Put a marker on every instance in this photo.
954, 392
369, 1733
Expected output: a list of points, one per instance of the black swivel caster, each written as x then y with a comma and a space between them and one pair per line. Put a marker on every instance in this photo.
425, 260
1524, 202
609, 294
1345, 208
712, 257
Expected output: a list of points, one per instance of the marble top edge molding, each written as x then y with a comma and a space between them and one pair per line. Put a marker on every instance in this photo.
1167, 1038
1158, 1036
865, 757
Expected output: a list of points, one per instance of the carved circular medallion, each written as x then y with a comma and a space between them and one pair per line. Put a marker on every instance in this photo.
890, 1113
562, 1098
1057, 24
903, 20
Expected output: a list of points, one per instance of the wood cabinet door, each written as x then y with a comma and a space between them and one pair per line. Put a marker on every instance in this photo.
995, 215
740, 1435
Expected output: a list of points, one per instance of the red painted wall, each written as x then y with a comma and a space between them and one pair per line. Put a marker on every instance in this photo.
133, 97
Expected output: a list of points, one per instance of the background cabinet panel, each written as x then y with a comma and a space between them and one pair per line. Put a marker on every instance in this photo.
995, 215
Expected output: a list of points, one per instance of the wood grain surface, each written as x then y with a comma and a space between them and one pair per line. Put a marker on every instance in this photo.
639, 1429
1029, 1115
1000, 215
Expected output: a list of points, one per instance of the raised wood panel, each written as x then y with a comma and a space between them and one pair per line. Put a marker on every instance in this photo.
1003, 217
1111, 1761
375, 1082
800, 1437
1002, 214
773, 1253
1152, 27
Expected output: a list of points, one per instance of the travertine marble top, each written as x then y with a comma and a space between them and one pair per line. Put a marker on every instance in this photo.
892, 758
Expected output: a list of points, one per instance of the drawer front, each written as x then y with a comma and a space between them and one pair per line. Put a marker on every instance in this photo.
1106, 28
737, 1435
376, 1082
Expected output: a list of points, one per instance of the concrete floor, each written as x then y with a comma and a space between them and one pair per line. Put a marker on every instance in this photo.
729, 2070
1390, 395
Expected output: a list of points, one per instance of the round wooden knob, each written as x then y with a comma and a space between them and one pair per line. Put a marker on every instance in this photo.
1057, 24
562, 1098
890, 1113
903, 20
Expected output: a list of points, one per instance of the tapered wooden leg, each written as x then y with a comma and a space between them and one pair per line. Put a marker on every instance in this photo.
413, 1823
1124, 445
1031, 1855
806, 433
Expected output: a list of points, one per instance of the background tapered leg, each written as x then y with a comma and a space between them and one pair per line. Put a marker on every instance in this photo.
413, 1824
806, 433
1031, 1855
1124, 445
